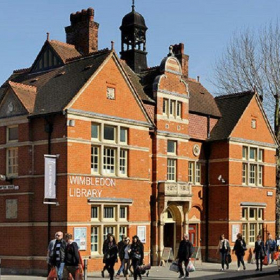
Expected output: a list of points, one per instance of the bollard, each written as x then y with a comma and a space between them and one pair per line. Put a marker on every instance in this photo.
85, 268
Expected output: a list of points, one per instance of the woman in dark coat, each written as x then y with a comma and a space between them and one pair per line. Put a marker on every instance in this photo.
239, 249
259, 252
110, 255
136, 255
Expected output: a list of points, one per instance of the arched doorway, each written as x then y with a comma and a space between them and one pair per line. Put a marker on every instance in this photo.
169, 231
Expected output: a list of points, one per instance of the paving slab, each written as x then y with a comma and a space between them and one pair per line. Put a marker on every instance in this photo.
209, 271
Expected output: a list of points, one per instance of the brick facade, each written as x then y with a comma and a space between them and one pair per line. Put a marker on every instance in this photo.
127, 164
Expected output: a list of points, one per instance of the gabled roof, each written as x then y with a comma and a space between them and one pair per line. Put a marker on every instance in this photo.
231, 107
60, 52
26, 94
136, 81
64, 51
201, 100
56, 87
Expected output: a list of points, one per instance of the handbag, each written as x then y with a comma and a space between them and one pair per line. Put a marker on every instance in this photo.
229, 260
79, 273
276, 256
265, 261
174, 266
52, 275
190, 267
136, 256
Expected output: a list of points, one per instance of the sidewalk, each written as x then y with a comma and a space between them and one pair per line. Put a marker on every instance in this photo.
206, 271
203, 271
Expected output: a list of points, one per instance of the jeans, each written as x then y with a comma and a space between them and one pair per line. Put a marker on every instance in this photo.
269, 253
121, 268
180, 265
59, 270
224, 261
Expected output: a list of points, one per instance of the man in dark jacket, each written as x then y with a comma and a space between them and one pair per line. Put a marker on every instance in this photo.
184, 253
58, 257
72, 258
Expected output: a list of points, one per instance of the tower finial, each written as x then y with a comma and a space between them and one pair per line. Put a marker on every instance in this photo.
133, 5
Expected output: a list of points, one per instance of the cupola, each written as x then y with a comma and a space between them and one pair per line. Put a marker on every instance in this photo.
133, 49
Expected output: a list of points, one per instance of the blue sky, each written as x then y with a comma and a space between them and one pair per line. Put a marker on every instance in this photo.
204, 26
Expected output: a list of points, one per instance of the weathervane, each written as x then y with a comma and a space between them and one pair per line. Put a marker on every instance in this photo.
133, 4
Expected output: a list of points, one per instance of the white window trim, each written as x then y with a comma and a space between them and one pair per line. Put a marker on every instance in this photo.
7, 162
7, 134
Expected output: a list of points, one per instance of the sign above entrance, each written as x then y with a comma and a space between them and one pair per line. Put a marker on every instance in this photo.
175, 189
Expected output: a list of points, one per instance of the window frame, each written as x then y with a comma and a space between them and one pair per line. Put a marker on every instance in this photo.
114, 133
123, 173
8, 134
98, 131
97, 243
174, 147
173, 167
14, 167
114, 213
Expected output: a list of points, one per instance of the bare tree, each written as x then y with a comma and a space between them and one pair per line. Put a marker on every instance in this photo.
252, 60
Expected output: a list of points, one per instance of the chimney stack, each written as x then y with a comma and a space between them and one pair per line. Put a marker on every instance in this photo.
83, 31
178, 51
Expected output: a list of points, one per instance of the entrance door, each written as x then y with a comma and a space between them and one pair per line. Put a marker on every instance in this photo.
169, 235
193, 234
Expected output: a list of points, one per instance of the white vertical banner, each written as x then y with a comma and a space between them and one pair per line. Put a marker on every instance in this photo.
141, 232
235, 229
50, 177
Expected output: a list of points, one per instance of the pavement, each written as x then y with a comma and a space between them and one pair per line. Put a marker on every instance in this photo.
203, 271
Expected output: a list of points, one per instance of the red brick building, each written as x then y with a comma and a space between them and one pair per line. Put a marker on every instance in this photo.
144, 151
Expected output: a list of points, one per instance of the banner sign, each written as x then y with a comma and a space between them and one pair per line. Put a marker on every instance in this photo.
141, 232
235, 229
80, 237
50, 177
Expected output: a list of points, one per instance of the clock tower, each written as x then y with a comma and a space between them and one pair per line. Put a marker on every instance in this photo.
133, 49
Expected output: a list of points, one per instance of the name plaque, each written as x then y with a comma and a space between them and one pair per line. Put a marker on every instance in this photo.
8, 187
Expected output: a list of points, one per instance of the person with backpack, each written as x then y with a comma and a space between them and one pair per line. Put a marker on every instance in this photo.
224, 250
270, 247
239, 250
184, 254
72, 257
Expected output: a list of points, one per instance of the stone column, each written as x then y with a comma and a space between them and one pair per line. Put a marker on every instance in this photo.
161, 244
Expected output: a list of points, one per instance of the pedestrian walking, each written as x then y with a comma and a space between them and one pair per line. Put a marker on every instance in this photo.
51, 249
58, 257
239, 250
136, 255
126, 260
111, 256
270, 247
224, 250
104, 250
72, 258
184, 254
121, 245
259, 251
